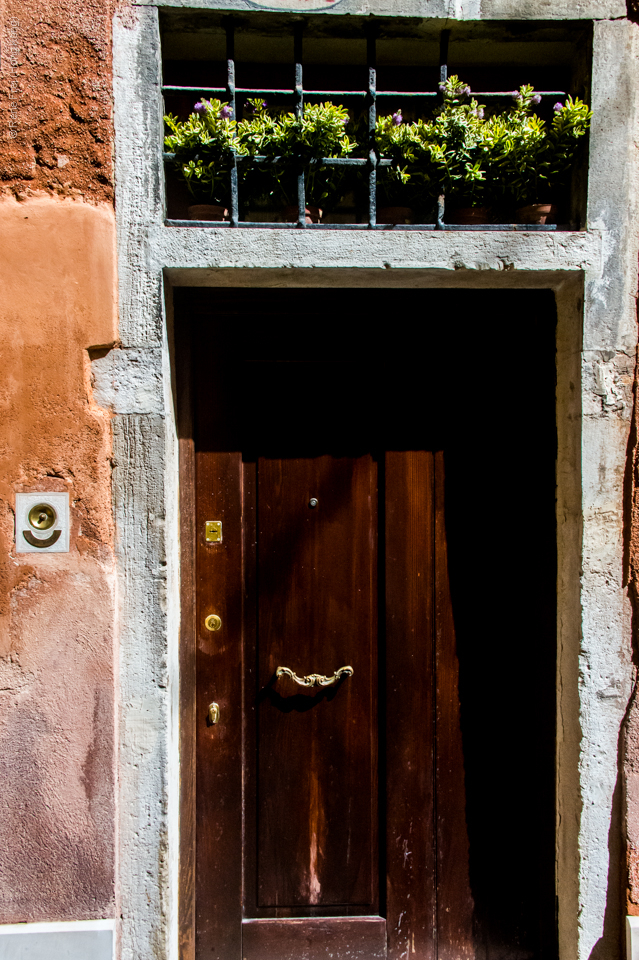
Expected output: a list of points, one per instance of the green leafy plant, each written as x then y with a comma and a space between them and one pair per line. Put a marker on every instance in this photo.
203, 146
534, 159
292, 144
447, 154
474, 159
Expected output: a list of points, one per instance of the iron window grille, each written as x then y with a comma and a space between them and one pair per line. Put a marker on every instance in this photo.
372, 162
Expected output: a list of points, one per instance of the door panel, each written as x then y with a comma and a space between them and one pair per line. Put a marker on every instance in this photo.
219, 679
408, 704
454, 918
317, 791
361, 938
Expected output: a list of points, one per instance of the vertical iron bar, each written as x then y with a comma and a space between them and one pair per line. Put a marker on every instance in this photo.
299, 113
443, 56
371, 59
443, 77
230, 93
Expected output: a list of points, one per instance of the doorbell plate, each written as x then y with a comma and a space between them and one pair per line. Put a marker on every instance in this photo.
42, 522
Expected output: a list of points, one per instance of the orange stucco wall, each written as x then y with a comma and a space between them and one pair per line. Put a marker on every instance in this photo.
57, 611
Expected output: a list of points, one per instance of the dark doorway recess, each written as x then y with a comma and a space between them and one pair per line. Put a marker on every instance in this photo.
409, 806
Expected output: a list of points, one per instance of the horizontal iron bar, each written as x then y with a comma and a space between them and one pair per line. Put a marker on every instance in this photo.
512, 227
354, 93
326, 161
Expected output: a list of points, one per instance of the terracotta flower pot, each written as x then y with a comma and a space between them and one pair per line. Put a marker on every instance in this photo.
207, 211
470, 216
313, 214
537, 213
395, 215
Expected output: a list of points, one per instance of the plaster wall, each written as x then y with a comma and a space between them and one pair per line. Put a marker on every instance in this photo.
58, 303
57, 611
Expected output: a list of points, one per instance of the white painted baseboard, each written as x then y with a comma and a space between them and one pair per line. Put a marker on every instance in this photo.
73, 940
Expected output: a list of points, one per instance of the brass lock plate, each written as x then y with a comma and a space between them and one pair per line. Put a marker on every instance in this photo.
213, 622
213, 531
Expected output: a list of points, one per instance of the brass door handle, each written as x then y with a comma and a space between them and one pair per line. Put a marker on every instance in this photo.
315, 679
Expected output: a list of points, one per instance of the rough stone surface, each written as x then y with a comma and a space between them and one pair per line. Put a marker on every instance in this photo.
498, 251
56, 98
608, 362
57, 831
438, 9
145, 501
129, 381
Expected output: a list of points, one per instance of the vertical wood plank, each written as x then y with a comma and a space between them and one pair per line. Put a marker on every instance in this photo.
219, 679
317, 789
410, 842
186, 883
250, 691
186, 445
454, 897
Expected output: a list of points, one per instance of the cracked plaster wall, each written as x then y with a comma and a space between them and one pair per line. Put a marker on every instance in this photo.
57, 611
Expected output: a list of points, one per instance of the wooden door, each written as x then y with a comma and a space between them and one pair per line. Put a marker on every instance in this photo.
318, 832
329, 821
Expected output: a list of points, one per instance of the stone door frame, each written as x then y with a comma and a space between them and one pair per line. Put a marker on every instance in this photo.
594, 276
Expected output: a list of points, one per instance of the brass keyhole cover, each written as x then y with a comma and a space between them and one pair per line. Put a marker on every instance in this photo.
213, 622
42, 516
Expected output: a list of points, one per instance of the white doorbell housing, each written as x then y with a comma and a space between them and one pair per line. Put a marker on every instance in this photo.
42, 522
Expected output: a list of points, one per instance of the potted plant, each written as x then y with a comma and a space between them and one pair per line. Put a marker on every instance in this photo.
290, 145
398, 192
461, 152
535, 159
447, 155
204, 145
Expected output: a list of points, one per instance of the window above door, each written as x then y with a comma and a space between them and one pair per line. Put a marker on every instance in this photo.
240, 81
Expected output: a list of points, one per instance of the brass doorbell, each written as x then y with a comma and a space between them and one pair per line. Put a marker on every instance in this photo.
42, 522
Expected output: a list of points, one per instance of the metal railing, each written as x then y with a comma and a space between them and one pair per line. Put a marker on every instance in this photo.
372, 161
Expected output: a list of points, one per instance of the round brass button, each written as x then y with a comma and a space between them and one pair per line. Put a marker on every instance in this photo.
42, 516
213, 622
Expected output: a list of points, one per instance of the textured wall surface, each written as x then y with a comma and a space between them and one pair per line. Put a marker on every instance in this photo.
57, 831
56, 97
57, 612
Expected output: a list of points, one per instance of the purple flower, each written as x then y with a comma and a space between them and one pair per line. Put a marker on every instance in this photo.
442, 88
200, 107
536, 99
480, 113
516, 95
558, 107
226, 113
264, 104
465, 91
398, 118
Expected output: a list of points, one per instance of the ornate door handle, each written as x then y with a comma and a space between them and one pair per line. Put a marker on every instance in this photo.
315, 679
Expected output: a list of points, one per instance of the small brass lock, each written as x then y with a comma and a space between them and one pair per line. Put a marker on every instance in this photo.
42, 516
213, 531
213, 622
214, 713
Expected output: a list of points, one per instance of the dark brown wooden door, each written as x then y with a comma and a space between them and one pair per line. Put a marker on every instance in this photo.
330, 821
317, 805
